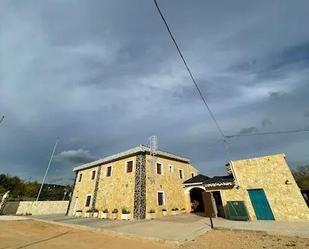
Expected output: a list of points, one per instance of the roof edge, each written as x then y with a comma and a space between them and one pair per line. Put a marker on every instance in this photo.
130, 152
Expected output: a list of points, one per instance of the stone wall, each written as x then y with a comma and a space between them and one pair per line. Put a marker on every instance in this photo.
170, 183
35, 208
115, 191
123, 189
272, 174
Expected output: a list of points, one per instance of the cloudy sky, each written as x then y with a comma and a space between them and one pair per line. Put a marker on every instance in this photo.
104, 76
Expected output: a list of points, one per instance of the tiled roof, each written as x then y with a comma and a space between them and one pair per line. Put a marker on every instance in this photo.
219, 181
196, 179
133, 151
210, 181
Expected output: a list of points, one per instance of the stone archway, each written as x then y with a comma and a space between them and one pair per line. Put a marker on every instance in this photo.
205, 199
196, 200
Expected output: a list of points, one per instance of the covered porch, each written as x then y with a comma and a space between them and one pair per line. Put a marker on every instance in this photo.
203, 195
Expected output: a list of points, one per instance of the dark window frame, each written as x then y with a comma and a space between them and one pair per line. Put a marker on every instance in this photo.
93, 174
109, 171
181, 173
129, 166
161, 198
159, 172
88, 201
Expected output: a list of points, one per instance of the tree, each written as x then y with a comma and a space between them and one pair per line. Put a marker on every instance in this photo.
29, 189
301, 175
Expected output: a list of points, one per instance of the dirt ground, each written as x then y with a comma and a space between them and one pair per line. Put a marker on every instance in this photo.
34, 234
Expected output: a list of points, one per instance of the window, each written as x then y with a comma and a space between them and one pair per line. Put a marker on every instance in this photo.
181, 174
159, 169
161, 199
80, 177
109, 171
171, 168
88, 201
129, 167
93, 174
192, 174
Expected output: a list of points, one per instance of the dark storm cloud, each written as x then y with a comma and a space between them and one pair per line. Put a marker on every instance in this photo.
75, 157
266, 122
104, 76
248, 130
276, 94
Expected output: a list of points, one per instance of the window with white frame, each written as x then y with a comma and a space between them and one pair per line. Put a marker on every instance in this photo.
159, 169
108, 171
181, 173
129, 166
161, 198
93, 173
170, 168
80, 177
88, 201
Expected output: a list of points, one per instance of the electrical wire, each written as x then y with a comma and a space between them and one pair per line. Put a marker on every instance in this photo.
190, 73
268, 133
224, 137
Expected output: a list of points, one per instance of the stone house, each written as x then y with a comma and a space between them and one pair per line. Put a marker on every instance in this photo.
135, 180
140, 182
265, 185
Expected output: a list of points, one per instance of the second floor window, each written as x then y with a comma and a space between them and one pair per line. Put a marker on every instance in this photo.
159, 169
80, 177
171, 168
129, 167
109, 171
93, 174
181, 174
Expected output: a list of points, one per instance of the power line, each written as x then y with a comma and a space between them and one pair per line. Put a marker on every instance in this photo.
190, 73
268, 133
224, 137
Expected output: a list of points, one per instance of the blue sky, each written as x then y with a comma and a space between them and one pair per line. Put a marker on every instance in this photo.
104, 76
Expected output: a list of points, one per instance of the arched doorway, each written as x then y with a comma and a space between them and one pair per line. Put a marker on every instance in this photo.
196, 199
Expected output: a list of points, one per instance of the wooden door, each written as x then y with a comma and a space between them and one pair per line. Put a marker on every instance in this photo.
207, 200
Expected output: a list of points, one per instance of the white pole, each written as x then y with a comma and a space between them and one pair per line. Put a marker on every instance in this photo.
49, 163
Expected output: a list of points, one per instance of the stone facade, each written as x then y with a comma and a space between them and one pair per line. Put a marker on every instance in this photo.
272, 174
137, 190
170, 183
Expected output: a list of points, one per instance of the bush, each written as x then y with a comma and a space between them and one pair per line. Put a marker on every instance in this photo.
124, 210
105, 210
152, 211
92, 210
115, 211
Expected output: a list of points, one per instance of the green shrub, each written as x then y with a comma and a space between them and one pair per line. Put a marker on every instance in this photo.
124, 210
105, 210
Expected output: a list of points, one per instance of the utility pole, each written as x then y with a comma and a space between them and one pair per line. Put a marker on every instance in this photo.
49, 163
